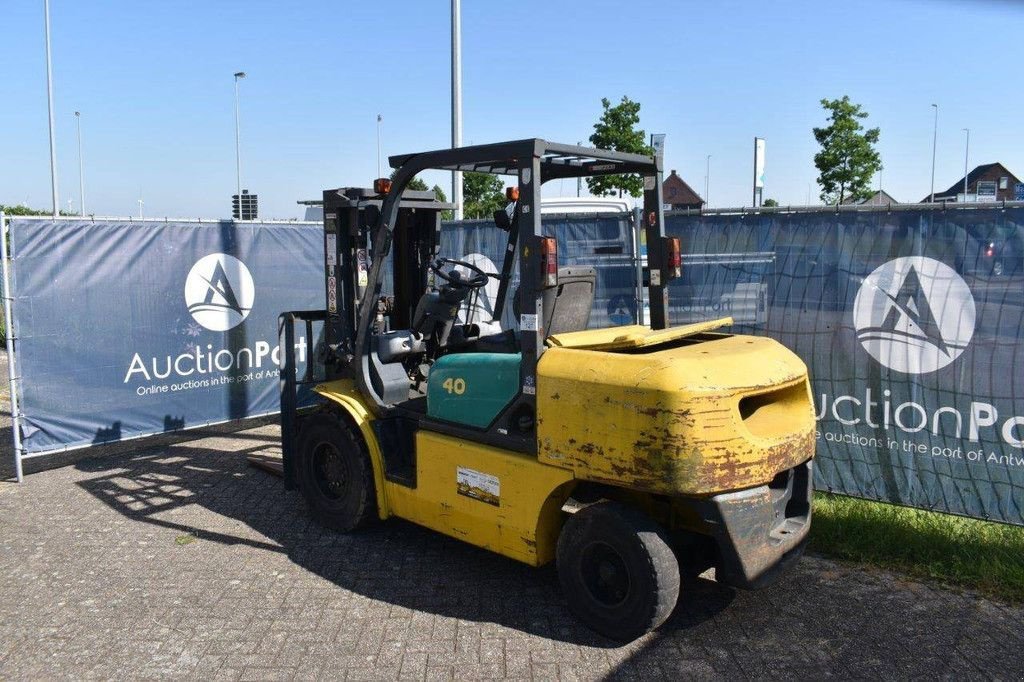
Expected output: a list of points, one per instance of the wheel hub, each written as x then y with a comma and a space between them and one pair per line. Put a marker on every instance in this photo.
605, 574
329, 470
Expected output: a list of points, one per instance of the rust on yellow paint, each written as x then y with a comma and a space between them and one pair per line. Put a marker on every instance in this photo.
632, 336
344, 393
684, 418
520, 516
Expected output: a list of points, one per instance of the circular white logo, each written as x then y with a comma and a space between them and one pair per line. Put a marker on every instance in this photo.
914, 315
219, 292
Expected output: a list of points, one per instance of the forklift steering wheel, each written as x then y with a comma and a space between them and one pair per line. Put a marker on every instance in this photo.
478, 280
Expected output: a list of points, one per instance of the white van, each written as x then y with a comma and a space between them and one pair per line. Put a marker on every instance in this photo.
585, 205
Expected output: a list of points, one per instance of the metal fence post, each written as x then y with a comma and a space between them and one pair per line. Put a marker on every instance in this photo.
12, 377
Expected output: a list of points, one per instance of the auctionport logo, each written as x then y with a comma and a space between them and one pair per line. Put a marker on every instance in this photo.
914, 315
219, 292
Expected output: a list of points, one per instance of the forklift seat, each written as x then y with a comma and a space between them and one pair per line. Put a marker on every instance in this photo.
567, 306
566, 309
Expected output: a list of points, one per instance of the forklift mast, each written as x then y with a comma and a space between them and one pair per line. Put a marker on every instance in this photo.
349, 217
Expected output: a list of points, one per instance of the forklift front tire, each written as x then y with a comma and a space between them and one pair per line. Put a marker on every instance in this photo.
334, 473
617, 570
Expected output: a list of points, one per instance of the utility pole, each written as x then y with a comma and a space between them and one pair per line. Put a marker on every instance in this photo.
379, 119
758, 172
457, 101
967, 150
238, 139
707, 182
579, 180
49, 102
81, 165
935, 140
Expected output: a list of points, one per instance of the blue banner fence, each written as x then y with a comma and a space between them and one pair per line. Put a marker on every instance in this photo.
909, 319
120, 329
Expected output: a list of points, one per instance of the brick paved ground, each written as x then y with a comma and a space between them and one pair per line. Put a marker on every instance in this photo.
178, 560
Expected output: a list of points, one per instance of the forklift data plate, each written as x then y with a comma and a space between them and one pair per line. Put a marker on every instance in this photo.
632, 336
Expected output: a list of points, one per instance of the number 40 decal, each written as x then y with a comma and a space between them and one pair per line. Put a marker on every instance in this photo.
456, 386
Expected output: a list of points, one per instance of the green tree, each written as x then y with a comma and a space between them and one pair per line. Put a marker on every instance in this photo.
848, 158
442, 197
482, 195
770, 202
616, 130
417, 184
25, 210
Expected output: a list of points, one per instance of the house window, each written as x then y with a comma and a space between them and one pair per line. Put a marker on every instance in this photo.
1004, 182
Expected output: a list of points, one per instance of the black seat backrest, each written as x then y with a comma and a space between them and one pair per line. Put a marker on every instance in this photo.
567, 306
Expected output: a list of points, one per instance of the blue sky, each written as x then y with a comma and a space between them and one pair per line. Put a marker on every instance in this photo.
154, 83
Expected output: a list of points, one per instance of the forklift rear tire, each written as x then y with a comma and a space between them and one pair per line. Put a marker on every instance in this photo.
334, 473
617, 570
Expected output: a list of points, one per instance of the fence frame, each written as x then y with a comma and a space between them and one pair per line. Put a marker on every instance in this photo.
19, 454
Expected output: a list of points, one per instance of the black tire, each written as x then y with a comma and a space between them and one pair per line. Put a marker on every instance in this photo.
334, 473
617, 570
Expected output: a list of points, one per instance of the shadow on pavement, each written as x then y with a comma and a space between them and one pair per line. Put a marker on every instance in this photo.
111, 445
394, 562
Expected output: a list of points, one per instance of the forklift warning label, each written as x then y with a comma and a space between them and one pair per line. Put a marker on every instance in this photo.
479, 486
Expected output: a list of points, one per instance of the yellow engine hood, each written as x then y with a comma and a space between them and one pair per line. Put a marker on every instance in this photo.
693, 416
632, 336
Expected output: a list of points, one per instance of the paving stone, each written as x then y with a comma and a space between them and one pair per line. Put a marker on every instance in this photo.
101, 581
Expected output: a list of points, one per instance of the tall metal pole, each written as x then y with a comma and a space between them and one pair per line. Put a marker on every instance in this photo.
379, 119
579, 180
81, 166
967, 150
707, 183
49, 101
457, 101
935, 141
238, 139
753, 201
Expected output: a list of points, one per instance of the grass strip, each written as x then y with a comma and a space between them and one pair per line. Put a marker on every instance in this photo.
970, 553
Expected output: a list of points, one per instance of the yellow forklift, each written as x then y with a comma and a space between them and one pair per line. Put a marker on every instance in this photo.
629, 455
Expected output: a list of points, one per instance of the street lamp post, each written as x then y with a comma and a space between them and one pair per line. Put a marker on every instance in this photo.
81, 165
49, 102
457, 101
707, 182
238, 139
935, 140
967, 150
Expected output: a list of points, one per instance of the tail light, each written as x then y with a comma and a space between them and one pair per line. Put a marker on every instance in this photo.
674, 257
548, 261
381, 185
